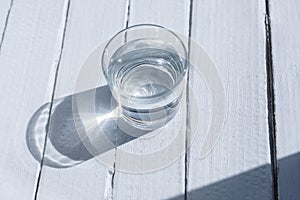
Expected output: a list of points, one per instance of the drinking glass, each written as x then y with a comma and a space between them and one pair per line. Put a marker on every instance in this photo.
145, 67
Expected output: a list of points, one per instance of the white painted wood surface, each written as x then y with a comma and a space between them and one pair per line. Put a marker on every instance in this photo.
285, 22
233, 34
92, 172
28, 51
169, 181
89, 23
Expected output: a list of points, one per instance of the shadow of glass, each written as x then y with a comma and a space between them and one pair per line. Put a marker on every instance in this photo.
70, 140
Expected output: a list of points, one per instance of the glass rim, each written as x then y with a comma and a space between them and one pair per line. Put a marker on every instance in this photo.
165, 93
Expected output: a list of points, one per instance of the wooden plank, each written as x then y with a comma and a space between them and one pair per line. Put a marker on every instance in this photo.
136, 182
90, 23
285, 21
233, 34
27, 64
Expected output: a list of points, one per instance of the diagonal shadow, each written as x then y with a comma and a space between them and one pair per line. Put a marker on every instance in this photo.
254, 184
68, 138
289, 177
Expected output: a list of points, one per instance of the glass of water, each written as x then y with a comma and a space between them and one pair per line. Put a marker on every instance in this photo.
145, 67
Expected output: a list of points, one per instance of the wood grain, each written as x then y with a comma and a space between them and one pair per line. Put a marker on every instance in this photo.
168, 181
233, 34
285, 21
89, 24
27, 71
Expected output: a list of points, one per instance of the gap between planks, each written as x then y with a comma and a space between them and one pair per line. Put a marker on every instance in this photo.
271, 100
127, 18
5, 24
57, 64
188, 125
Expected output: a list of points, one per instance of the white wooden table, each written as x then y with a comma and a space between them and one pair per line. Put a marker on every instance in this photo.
255, 47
